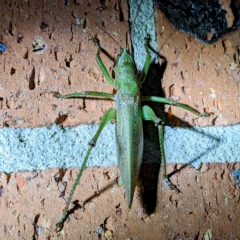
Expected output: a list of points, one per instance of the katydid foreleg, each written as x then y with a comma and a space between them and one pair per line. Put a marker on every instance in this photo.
147, 62
107, 117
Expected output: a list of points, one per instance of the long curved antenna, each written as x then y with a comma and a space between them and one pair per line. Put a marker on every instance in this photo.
105, 31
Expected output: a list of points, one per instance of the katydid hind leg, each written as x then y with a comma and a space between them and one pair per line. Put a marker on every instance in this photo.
107, 117
149, 115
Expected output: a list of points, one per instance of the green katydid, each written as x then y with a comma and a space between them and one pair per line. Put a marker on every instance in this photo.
128, 114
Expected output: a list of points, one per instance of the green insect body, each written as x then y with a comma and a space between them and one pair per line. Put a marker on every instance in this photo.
129, 115
129, 137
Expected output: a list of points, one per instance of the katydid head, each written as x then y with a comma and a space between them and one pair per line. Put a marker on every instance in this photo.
124, 57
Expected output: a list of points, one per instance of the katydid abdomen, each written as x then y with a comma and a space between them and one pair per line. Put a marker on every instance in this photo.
129, 130
129, 141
